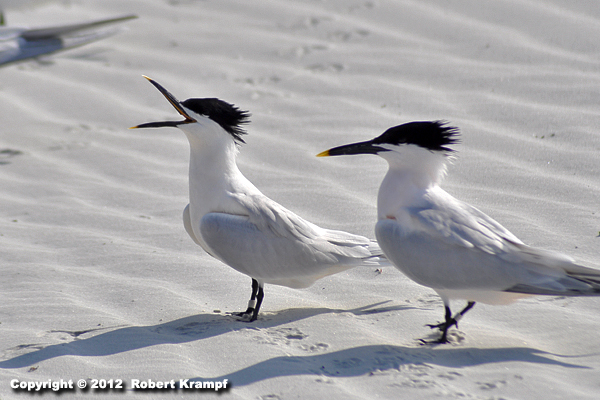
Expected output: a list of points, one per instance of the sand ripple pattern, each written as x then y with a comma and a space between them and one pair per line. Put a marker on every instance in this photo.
99, 278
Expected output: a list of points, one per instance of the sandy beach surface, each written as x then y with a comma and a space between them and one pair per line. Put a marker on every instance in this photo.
99, 279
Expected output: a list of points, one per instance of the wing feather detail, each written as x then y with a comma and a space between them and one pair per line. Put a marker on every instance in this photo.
477, 254
276, 246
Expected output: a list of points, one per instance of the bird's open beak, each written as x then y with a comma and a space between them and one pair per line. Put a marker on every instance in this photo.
354, 148
175, 103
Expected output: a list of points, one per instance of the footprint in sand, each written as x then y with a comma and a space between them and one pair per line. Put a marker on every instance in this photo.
6, 154
279, 336
491, 385
292, 337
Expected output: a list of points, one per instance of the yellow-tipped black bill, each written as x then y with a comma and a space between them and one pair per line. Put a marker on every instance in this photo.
355, 148
174, 102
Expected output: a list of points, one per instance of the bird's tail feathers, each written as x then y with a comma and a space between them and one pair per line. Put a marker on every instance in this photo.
578, 281
377, 256
366, 253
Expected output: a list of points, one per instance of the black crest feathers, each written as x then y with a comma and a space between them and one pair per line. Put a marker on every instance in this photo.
430, 135
227, 115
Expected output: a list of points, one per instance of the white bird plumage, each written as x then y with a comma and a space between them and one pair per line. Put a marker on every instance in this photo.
448, 245
235, 223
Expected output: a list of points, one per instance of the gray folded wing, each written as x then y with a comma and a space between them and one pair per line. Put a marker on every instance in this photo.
273, 245
454, 246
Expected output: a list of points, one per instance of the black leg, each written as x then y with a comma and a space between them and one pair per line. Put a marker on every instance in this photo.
442, 325
256, 298
449, 321
470, 305
259, 298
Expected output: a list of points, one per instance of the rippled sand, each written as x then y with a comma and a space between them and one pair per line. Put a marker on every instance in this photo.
100, 280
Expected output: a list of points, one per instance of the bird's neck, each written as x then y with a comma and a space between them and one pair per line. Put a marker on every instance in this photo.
407, 182
214, 176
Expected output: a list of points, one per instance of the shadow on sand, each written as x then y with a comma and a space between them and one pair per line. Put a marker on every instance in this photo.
189, 329
364, 360
350, 362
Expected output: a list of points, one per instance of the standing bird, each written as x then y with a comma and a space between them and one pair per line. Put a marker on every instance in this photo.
235, 223
450, 246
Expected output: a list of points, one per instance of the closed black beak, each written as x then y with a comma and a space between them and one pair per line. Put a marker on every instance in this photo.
355, 148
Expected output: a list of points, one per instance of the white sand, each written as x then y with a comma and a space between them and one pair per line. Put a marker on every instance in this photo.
100, 280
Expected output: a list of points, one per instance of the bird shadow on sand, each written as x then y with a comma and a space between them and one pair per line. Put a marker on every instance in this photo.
114, 340
375, 359
350, 362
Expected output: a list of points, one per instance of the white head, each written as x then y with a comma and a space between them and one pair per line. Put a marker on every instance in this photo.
420, 148
206, 121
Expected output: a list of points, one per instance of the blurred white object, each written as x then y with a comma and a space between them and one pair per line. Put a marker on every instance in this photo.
19, 43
